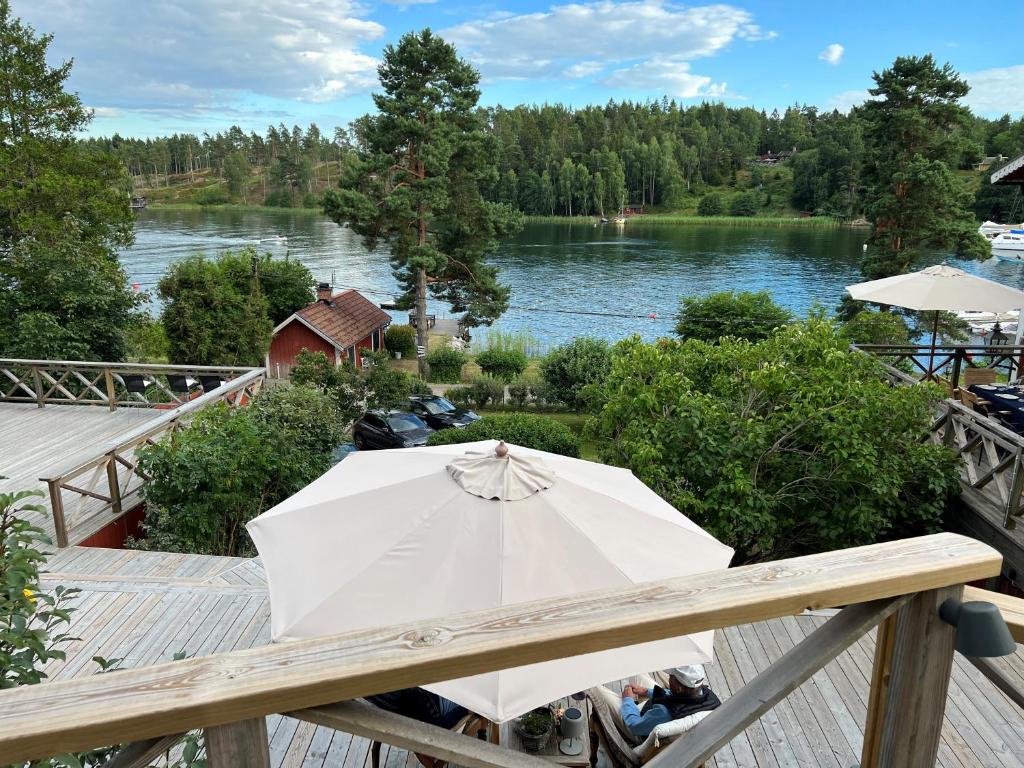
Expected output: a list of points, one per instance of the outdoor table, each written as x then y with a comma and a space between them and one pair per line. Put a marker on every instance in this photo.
1003, 398
510, 739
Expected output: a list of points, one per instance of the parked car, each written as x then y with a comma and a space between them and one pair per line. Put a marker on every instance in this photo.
440, 413
389, 429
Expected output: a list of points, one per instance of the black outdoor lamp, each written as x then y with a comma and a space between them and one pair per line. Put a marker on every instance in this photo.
998, 337
981, 630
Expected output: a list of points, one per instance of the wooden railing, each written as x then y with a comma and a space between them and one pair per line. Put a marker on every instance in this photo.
949, 360
115, 385
992, 456
112, 476
899, 583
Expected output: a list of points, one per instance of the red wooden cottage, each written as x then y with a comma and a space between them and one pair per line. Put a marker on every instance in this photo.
337, 324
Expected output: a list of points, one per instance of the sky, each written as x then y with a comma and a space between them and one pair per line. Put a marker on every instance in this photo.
155, 67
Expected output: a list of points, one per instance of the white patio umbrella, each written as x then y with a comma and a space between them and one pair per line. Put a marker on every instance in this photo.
940, 288
397, 536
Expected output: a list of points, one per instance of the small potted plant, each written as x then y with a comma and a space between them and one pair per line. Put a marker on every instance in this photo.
535, 728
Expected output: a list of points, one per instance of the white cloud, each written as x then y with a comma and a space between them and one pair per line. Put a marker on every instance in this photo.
833, 54
847, 100
180, 54
650, 41
996, 91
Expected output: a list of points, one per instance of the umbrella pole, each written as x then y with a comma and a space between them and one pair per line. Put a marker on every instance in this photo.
931, 357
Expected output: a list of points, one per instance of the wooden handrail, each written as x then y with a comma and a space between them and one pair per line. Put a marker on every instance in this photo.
157, 425
126, 367
42, 720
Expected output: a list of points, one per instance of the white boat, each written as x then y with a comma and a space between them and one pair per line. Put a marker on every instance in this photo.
1009, 246
990, 229
977, 317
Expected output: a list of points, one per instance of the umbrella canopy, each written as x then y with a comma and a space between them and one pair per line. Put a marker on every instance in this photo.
390, 537
939, 288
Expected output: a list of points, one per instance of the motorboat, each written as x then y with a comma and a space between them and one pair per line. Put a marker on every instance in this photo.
990, 229
1009, 246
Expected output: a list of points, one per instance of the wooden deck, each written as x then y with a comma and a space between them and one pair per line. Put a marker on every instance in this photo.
144, 607
33, 439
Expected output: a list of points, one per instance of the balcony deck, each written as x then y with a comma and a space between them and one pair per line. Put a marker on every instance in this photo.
146, 606
33, 439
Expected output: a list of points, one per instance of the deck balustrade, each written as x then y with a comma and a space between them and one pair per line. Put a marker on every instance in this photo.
922, 363
900, 584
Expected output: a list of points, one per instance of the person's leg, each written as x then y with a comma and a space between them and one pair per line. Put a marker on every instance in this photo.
449, 713
614, 704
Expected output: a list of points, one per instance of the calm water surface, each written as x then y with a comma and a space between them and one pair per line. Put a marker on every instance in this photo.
567, 279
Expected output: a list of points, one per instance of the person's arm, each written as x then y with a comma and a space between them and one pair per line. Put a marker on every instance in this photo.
642, 725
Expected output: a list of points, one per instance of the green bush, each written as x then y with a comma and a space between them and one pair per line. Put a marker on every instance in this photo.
231, 464
418, 386
872, 327
711, 205
484, 389
785, 447
745, 204
446, 364
743, 315
519, 390
505, 364
570, 370
526, 429
401, 338
214, 195
460, 396
31, 620
343, 383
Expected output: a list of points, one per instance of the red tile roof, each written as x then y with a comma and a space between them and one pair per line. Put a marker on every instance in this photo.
348, 318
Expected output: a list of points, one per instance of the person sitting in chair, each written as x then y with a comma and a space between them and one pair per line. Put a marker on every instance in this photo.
420, 705
686, 695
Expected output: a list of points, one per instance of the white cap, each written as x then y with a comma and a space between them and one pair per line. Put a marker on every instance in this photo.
692, 676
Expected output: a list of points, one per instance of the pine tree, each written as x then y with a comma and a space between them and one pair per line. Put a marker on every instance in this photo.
415, 184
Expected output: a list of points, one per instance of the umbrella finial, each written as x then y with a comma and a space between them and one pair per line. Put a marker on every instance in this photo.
501, 451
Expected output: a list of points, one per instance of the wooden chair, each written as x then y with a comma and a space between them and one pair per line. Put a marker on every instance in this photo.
605, 733
974, 402
469, 725
974, 376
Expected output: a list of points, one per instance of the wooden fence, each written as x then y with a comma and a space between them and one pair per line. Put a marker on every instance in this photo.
948, 360
115, 385
900, 584
109, 482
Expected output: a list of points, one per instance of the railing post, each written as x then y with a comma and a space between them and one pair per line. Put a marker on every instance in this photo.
237, 744
922, 660
111, 392
1016, 489
880, 671
57, 506
113, 484
37, 383
958, 359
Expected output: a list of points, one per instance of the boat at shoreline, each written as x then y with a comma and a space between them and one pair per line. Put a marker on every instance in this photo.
1009, 245
990, 229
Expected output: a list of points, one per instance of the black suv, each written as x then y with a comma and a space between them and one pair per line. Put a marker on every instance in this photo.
389, 429
439, 413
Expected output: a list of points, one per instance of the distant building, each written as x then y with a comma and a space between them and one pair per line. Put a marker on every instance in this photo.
774, 158
337, 324
987, 162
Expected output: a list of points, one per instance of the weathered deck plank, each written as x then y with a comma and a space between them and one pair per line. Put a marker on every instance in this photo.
133, 607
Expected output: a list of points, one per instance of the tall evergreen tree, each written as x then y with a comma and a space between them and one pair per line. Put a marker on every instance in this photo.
915, 133
416, 183
63, 210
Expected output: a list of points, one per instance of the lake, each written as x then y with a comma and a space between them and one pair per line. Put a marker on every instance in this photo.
567, 280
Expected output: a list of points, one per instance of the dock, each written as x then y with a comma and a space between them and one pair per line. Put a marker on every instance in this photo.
144, 607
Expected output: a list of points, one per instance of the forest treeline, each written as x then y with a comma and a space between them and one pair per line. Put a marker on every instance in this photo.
556, 160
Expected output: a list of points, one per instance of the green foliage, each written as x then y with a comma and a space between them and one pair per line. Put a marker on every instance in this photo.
236, 173
998, 202
522, 342
784, 447
484, 390
212, 195
446, 364
505, 364
231, 464
744, 204
460, 396
521, 389
916, 131
342, 383
525, 429
536, 722
145, 340
743, 315
222, 311
711, 205
32, 621
387, 387
873, 327
571, 371
423, 158
418, 386
65, 297
400, 338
